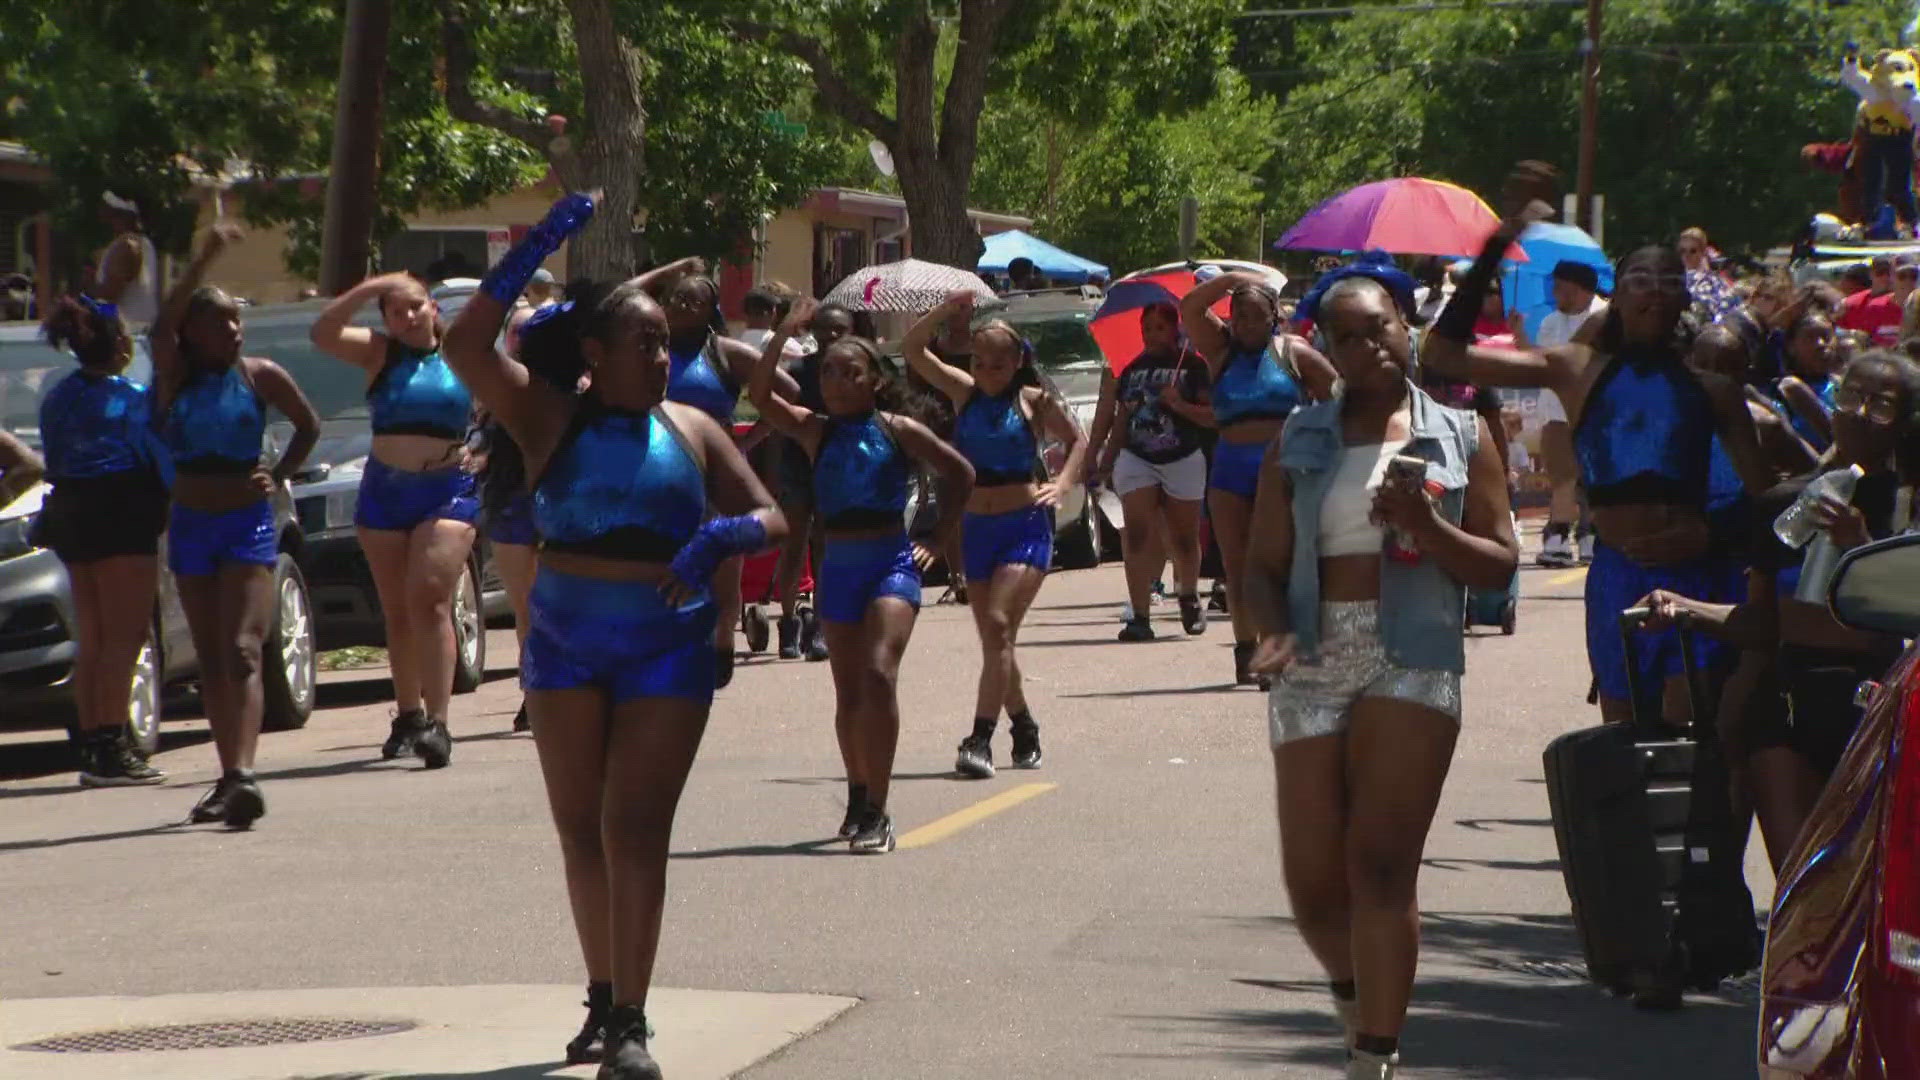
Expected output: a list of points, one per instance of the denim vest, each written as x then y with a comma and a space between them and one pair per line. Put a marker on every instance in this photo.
1420, 606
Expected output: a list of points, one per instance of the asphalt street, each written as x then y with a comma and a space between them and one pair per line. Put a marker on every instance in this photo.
1117, 913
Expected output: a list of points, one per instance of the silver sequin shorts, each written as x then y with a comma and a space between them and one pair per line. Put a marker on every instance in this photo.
1315, 694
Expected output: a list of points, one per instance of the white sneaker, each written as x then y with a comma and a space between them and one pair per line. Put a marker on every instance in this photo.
1555, 551
1364, 1066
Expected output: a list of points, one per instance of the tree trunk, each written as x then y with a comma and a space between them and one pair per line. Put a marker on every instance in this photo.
613, 157
347, 230
937, 212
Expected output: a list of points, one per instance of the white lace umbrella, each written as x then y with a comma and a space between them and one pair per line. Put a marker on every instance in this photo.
911, 286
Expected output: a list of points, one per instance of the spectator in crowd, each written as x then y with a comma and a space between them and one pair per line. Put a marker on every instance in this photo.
765, 306
129, 275
1875, 311
1576, 288
542, 290
1854, 279
1024, 276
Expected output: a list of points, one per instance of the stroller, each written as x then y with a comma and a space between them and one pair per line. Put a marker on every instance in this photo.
759, 586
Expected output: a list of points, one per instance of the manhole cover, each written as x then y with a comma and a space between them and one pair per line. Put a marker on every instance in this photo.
216, 1036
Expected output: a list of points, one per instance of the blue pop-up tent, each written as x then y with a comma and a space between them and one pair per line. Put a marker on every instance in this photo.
1529, 285
1061, 266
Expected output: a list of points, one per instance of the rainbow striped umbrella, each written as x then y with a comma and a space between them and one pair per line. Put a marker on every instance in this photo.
1408, 216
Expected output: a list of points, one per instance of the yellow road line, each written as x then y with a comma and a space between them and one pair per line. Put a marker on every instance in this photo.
935, 831
1569, 577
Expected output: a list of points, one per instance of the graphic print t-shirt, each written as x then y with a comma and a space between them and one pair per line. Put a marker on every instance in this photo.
1155, 433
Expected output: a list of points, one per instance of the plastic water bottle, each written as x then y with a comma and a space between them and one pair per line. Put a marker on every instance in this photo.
1795, 525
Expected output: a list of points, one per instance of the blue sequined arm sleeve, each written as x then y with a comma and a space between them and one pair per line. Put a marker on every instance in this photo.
718, 539
509, 277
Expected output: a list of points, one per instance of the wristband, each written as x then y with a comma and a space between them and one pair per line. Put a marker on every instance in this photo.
718, 539
508, 278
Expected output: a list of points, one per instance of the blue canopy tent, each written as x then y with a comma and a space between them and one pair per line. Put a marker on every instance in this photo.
1061, 266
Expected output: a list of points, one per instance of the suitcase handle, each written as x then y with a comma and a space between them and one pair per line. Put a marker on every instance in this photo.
1634, 619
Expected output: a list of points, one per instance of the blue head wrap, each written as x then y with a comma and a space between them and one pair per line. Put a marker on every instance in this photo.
1375, 265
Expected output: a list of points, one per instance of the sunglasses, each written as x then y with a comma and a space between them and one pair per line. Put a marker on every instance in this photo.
1881, 411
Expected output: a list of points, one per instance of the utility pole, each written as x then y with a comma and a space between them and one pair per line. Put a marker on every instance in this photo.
346, 237
1589, 118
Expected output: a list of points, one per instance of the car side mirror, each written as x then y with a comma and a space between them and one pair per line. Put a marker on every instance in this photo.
1876, 587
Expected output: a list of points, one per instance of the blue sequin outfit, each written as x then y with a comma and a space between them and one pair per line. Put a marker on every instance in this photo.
698, 378
1646, 432
620, 485
98, 425
216, 423
416, 393
860, 476
1253, 385
996, 439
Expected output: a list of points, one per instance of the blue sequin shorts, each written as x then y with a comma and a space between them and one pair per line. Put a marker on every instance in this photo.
1236, 467
620, 637
512, 522
1615, 583
199, 543
855, 573
397, 500
1022, 537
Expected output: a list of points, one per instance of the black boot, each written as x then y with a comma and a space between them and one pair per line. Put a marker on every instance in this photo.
722, 668
789, 637
1026, 740
433, 745
626, 1056
815, 637
406, 727
1193, 618
590, 1044
856, 810
245, 805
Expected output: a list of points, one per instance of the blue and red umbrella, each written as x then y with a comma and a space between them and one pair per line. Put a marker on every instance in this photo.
1116, 325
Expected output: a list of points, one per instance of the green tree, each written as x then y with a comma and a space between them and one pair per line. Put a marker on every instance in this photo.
917, 76
1704, 105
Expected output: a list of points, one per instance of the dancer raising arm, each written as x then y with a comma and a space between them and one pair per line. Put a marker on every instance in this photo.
636, 500
1260, 374
868, 593
1006, 537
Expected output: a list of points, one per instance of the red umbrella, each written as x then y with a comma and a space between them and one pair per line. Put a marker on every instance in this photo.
1116, 325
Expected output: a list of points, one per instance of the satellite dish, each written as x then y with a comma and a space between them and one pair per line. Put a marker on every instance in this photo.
882, 158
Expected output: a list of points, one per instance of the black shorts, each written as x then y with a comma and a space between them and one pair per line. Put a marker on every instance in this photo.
86, 519
1816, 689
792, 476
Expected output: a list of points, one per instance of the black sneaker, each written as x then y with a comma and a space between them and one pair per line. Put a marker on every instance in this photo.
1242, 672
976, 757
626, 1056
1026, 745
434, 745
1136, 630
520, 721
814, 636
856, 812
213, 805
406, 727
1217, 599
591, 1044
1193, 618
722, 668
113, 762
245, 804
875, 834
789, 637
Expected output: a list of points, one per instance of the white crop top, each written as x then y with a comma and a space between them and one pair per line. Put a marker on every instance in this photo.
1346, 515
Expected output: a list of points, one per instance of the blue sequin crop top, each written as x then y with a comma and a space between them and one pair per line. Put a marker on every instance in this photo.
996, 439
620, 485
860, 475
95, 425
1253, 386
1646, 433
695, 377
416, 393
216, 423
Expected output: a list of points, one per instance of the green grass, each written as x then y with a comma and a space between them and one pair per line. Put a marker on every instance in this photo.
359, 656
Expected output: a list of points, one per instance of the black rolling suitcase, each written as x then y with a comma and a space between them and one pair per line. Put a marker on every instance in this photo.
1659, 898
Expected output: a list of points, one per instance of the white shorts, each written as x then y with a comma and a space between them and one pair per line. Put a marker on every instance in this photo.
1185, 478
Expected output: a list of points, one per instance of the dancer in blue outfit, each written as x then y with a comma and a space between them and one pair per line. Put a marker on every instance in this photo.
417, 501
222, 546
1643, 427
868, 593
637, 500
709, 371
1006, 538
1260, 374
104, 518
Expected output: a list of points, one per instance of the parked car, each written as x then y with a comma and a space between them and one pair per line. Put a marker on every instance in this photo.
1840, 986
326, 493
37, 629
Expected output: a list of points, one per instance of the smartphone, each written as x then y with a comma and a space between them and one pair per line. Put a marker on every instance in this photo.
1406, 467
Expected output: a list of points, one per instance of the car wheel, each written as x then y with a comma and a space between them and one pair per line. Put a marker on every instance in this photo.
469, 635
1079, 549
289, 661
143, 703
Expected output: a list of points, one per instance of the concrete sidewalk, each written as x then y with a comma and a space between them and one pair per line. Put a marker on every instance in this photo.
456, 1033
